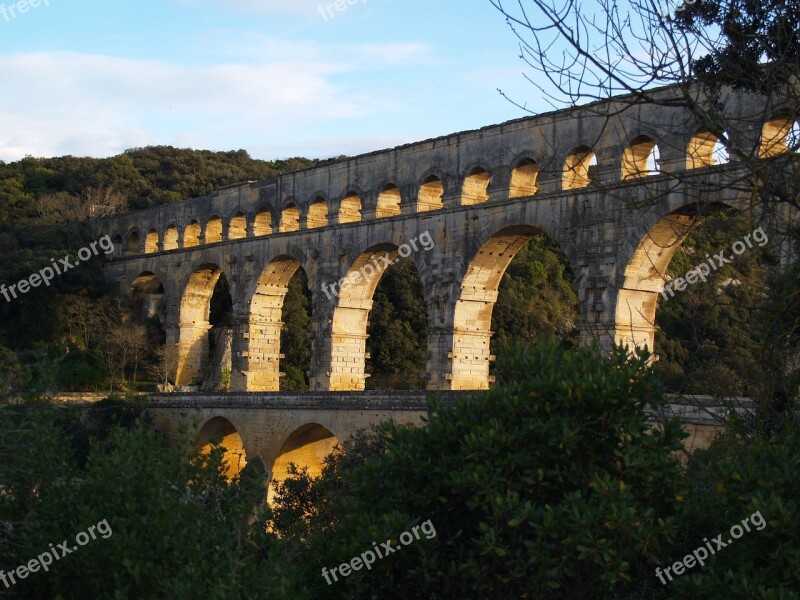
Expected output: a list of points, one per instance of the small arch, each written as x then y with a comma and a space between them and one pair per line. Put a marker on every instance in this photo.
318, 213
430, 195
290, 218
214, 230
151, 242
307, 446
219, 431
523, 179
191, 235
350, 209
705, 150
134, 245
388, 202
171, 238
578, 168
147, 294
147, 282
779, 135
237, 229
263, 223
640, 159
116, 241
475, 189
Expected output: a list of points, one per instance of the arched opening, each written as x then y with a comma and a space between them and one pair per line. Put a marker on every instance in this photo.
133, 246
214, 230
538, 299
705, 150
203, 354
645, 278
352, 315
523, 179
147, 292
350, 209
290, 218
397, 332
579, 168
118, 246
307, 447
191, 235
430, 195
779, 135
263, 223
149, 307
388, 202
274, 337
640, 159
715, 307
151, 242
220, 433
238, 227
475, 189
318, 213
171, 238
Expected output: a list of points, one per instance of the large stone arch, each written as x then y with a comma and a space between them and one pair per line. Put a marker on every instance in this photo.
259, 368
644, 259
477, 291
342, 360
194, 311
220, 429
307, 446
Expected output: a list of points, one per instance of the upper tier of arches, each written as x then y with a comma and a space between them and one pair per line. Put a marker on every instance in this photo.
576, 169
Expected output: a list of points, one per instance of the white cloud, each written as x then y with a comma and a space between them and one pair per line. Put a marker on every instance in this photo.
96, 105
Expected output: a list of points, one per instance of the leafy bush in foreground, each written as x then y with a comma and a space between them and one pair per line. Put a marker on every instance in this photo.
551, 485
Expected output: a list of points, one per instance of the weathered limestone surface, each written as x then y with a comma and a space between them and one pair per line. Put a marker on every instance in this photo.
581, 175
479, 195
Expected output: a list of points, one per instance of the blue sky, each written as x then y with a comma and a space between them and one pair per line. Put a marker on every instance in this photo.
93, 78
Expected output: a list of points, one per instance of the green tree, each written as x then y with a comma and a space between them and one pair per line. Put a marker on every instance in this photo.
551, 485
398, 330
178, 529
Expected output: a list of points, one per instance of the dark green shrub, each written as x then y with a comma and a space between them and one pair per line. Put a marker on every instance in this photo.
732, 480
551, 485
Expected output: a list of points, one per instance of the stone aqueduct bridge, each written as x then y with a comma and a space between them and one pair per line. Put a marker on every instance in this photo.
303, 428
585, 176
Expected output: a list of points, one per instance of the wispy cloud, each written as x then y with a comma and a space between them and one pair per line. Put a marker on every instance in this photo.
99, 105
